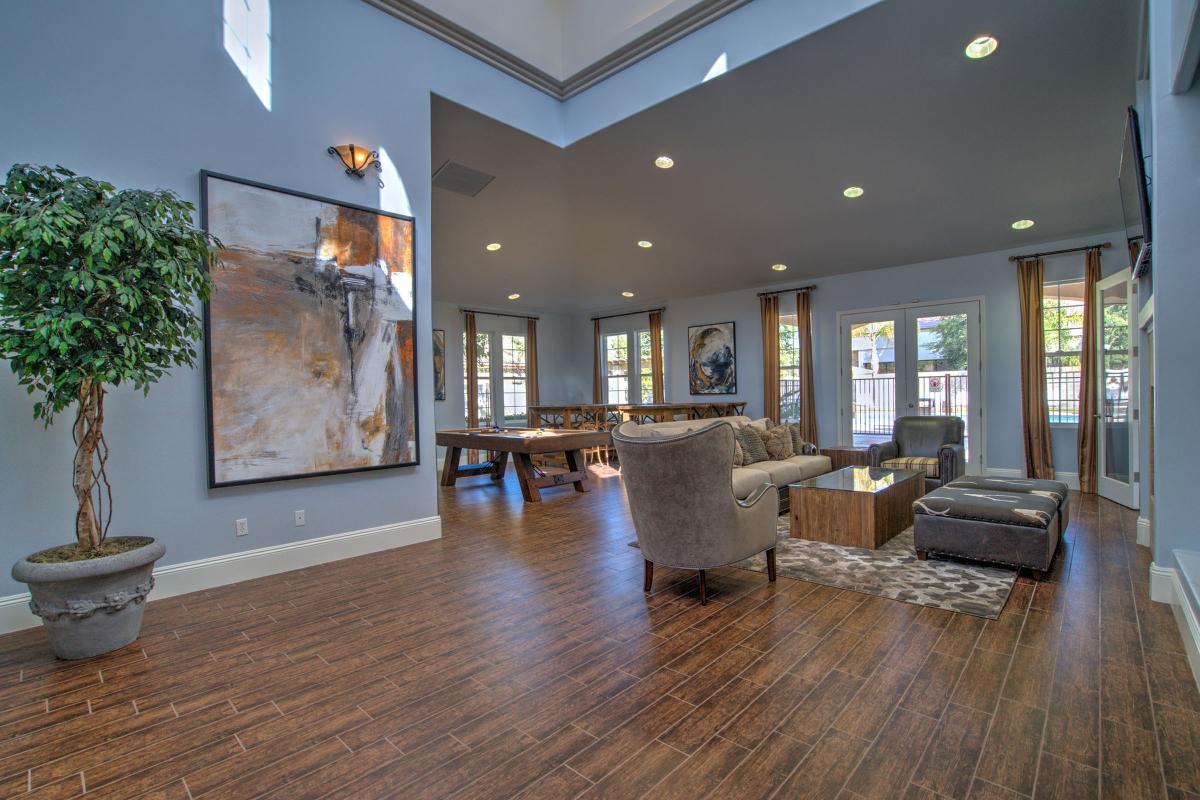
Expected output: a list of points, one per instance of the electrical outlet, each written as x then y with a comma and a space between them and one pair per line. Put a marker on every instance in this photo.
300, 518
242, 527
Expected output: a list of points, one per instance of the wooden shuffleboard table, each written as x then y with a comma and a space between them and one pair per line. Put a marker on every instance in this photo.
521, 443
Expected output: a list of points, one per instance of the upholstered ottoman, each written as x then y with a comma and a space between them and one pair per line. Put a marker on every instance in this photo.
1056, 490
1019, 529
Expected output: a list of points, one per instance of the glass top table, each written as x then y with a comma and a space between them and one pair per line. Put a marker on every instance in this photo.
858, 479
855, 506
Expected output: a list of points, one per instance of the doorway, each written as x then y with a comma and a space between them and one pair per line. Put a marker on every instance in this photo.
915, 360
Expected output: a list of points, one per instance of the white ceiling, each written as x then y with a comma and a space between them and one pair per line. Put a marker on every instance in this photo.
950, 152
559, 37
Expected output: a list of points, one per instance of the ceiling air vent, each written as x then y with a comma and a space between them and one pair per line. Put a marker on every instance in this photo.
460, 178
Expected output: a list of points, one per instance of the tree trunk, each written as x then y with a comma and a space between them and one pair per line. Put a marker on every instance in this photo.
89, 420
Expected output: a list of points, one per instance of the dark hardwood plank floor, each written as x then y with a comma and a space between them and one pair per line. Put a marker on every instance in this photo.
518, 657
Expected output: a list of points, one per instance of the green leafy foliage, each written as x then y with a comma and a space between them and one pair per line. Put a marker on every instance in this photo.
96, 284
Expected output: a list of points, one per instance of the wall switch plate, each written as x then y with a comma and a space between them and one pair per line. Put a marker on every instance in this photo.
242, 527
300, 518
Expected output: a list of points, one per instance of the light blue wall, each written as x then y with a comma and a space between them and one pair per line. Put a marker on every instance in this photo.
142, 93
1175, 176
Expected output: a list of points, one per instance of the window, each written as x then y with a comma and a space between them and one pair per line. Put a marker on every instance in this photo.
500, 373
483, 381
645, 367
1062, 328
629, 381
616, 367
789, 368
512, 349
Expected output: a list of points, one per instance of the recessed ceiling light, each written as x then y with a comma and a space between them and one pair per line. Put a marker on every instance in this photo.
664, 162
779, 267
645, 244
1022, 224
982, 46
514, 296
626, 294
493, 247
853, 191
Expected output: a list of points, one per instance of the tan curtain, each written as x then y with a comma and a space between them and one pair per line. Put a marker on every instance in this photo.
531, 363
770, 338
1087, 374
472, 378
597, 365
808, 395
656, 356
1035, 413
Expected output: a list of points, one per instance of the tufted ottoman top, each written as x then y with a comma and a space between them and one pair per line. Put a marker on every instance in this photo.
1056, 490
1004, 507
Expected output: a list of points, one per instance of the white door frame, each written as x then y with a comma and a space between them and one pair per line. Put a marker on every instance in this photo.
899, 312
1124, 493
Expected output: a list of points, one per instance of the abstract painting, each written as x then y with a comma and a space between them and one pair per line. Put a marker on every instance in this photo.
711, 359
309, 335
439, 364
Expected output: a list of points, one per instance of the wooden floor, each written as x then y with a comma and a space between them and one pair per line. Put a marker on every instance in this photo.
518, 656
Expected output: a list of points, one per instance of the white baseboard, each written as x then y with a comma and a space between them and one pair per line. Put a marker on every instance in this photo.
208, 573
1071, 479
1167, 587
1145, 533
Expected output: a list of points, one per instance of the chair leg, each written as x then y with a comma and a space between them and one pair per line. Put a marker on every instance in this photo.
703, 590
771, 564
922, 555
649, 575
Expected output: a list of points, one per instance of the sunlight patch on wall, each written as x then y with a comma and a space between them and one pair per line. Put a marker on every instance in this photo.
718, 68
393, 196
247, 34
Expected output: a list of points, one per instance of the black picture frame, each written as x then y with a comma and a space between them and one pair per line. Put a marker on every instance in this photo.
207, 175
733, 348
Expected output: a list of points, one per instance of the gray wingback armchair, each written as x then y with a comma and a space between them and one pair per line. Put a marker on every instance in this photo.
683, 506
933, 445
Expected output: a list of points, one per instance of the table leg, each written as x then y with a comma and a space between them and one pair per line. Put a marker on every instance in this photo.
450, 465
577, 463
525, 476
501, 464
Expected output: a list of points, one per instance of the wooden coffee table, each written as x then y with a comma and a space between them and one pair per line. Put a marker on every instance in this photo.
855, 506
521, 443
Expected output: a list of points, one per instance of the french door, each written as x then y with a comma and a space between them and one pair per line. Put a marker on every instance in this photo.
919, 360
1116, 390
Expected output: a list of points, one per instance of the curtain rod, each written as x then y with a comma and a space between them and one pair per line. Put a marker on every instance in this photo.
496, 313
812, 287
629, 313
1105, 245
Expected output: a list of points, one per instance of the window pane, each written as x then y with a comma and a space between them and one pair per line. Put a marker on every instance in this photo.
647, 381
618, 389
483, 364
1062, 326
513, 353
617, 354
645, 365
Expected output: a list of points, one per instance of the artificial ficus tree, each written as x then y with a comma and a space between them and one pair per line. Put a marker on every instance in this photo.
98, 287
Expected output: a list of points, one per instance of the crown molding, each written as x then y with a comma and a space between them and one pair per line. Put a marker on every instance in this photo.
645, 45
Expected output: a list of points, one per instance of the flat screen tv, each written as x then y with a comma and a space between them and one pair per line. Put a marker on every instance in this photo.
1135, 199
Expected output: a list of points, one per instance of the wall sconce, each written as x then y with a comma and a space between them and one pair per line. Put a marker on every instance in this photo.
357, 159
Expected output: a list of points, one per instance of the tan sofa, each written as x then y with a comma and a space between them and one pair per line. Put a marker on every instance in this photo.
746, 479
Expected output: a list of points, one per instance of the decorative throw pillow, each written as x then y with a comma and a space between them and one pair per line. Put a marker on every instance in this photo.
797, 439
752, 445
738, 457
778, 442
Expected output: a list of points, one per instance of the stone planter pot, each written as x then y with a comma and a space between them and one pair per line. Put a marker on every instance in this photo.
94, 606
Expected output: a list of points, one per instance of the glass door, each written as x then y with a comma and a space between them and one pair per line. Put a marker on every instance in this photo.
1116, 428
873, 356
914, 361
943, 345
